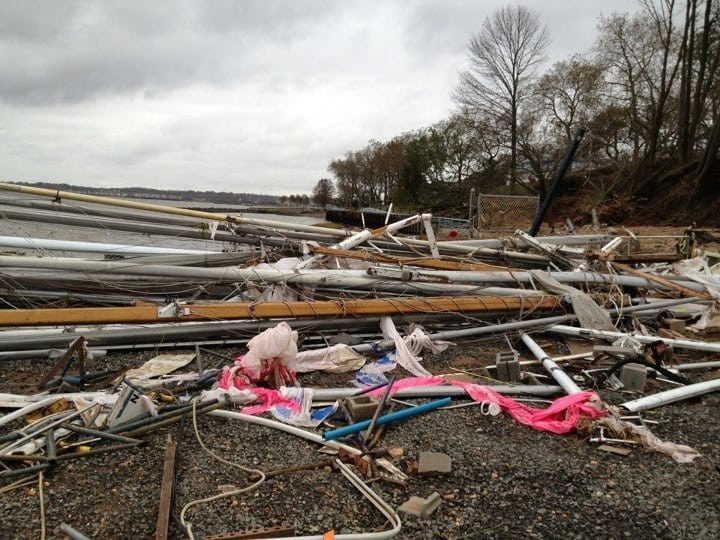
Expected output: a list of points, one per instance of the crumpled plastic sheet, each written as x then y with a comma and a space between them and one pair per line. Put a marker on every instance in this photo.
373, 373
302, 415
335, 359
265, 398
697, 270
405, 357
589, 314
273, 345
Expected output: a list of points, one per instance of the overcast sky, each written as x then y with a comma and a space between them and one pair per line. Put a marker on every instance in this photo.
233, 95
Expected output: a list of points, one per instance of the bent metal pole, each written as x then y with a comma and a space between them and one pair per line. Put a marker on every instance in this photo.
558, 374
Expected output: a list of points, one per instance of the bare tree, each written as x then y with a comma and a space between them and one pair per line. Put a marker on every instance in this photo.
571, 93
503, 59
323, 192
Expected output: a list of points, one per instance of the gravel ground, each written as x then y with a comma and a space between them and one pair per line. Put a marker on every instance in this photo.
507, 481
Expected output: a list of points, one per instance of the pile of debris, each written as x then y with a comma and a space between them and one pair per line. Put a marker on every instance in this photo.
305, 308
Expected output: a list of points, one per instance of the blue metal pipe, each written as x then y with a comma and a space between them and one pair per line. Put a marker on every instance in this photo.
386, 419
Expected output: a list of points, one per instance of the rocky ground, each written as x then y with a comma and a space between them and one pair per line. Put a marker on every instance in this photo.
507, 481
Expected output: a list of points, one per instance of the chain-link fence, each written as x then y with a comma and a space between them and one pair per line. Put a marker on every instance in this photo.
505, 212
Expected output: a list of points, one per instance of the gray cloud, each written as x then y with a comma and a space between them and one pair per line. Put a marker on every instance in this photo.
225, 93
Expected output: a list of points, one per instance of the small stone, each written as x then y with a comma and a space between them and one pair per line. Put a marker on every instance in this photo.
611, 484
712, 401
396, 452
494, 475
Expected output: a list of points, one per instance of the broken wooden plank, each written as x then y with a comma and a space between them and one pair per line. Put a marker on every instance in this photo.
166, 490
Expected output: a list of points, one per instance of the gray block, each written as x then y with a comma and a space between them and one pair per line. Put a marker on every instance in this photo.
434, 463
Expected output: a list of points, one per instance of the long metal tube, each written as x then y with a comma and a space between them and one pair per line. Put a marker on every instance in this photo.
42, 354
671, 396
93, 247
677, 343
470, 332
331, 394
347, 278
385, 419
118, 225
562, 169
167, 209
550, 366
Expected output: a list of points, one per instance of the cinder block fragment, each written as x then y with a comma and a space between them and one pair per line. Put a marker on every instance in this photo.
513, 370
434, 463
507, 366
676, 325
417, 506
362, 407
633, 377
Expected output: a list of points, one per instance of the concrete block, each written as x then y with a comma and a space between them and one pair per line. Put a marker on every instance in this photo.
633, 377
676, 325
434, 463
507, 366
417, 506
361, 407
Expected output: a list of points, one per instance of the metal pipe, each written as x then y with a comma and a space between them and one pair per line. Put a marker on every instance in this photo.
378, 410
605, 334
469, 332
331, 394
671, 396
559, 174
550, 366
44, 354
72, 533
25, 470
385, 419
213, 216
292, 430
93, 247
52, 425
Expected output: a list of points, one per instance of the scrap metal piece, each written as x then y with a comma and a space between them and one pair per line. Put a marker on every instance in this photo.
63, 363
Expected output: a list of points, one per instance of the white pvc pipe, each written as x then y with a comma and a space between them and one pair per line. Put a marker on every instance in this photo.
562, 378
671, 396
292, 430
93, 247
677, 343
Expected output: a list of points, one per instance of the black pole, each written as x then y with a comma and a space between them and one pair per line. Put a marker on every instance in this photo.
567, 160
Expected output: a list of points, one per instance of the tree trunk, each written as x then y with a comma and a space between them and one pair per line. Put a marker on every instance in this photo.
705, 182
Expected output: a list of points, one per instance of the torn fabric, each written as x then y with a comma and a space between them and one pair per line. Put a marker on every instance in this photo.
405, 356
589, 314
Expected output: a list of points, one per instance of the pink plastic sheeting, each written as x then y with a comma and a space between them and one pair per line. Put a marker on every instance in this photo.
267, 397
561, 417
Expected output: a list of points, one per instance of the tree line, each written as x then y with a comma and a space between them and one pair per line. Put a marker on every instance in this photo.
648, 92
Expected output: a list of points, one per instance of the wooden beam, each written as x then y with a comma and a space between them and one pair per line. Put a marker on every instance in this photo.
270, 310
166, 490
423, 262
